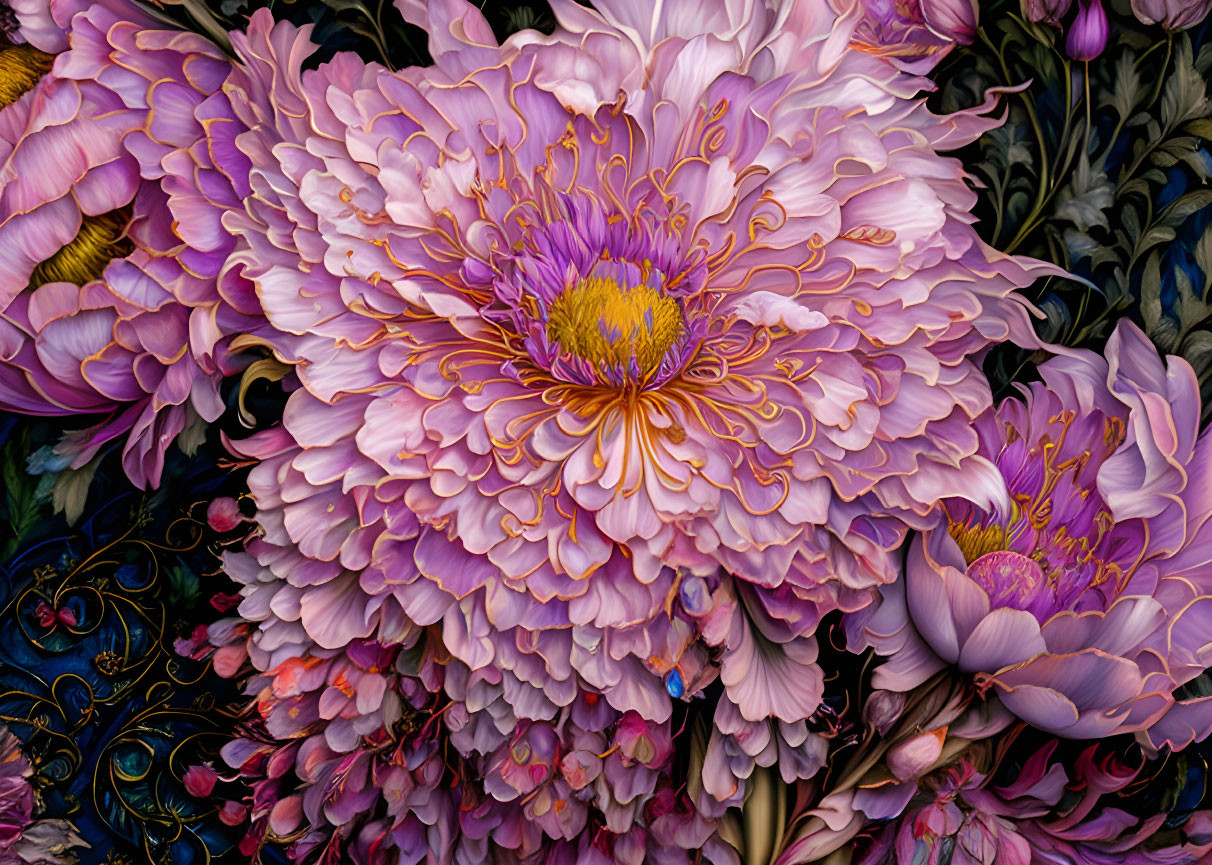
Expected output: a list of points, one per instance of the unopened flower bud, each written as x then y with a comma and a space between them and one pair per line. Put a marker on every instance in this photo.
1087, 35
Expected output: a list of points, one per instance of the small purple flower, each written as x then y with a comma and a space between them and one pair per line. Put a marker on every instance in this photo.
915, 34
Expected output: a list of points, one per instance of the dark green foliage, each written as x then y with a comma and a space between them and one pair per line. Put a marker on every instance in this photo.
1101, 168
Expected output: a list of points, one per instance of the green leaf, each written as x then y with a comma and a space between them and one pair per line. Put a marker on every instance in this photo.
1197, 351
1127, 91
20, 494
1184, 96
1170, 152
1117, 288
1190, 308
1155, 235
1017, 206
1203, 257
1201, 127
1136, 186
1103, 255
1196, 163
1007, 146
760, 816
1185, 206
183, 586
1085, 198
1150, 293
71, 490
1130, 221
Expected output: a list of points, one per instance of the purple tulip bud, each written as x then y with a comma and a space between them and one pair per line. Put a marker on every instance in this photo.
1088, 34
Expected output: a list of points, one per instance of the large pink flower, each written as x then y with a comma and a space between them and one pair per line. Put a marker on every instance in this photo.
1080, 600
101, 295
570, 333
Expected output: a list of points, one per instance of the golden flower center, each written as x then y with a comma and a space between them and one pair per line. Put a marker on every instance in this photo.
608, 324
99, 241
975, 541
21, 67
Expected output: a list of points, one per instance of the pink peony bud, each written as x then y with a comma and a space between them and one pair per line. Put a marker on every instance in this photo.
1088, 34
200, 780
233, 813
911, 758
223, 514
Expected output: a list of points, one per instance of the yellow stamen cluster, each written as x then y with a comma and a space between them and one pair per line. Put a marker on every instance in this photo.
99, 241
976, 541
21, 67
607, 324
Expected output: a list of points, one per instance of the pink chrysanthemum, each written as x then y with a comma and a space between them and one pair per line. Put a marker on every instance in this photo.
569, 334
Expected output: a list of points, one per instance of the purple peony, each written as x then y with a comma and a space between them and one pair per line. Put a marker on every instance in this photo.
601, 437
1080, 599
